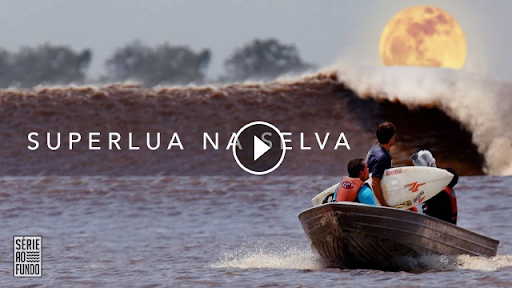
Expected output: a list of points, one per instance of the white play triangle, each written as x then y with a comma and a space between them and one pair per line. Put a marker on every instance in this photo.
260, 148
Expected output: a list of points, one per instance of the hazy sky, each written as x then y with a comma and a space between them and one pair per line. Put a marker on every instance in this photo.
322, 30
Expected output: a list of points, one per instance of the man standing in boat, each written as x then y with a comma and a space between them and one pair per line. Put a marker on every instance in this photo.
379, 159
352, 187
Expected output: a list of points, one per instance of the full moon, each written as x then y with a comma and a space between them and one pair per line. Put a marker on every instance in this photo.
423, 36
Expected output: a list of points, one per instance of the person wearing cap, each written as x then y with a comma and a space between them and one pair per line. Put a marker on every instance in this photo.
443, 206
379, 159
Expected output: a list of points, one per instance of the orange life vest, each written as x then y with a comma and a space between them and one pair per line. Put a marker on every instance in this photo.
348, 188
453, 199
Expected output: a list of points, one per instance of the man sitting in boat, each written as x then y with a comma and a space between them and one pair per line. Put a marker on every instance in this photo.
352, 188
443, 206
379, 159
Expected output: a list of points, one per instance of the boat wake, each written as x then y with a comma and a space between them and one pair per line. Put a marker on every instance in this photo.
484, 264
303, 259
461, 262
270, 258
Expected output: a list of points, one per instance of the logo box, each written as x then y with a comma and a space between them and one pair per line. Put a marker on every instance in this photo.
28, 256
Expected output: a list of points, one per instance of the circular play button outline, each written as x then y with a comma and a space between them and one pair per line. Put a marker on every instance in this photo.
281, 137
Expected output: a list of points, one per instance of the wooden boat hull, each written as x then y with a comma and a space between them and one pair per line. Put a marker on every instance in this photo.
352, 235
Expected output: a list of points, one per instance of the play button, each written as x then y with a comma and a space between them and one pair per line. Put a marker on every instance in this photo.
259, 148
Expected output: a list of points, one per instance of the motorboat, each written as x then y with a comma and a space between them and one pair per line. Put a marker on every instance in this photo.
356, 236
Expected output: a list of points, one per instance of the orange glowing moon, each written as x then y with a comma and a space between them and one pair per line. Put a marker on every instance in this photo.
423, 36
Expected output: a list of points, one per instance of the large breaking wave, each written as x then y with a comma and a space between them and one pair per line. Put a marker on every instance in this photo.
462, 118
480, 104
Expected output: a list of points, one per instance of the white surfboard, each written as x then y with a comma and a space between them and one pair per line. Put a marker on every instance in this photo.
404, 187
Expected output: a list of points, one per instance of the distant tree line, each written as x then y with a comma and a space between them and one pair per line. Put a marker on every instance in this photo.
43, 64
164, 64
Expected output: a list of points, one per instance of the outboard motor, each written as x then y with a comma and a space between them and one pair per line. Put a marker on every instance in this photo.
423, 158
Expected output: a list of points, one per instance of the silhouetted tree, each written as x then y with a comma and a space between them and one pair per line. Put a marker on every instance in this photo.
50, 64
264, 59
5, 68
163, 64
